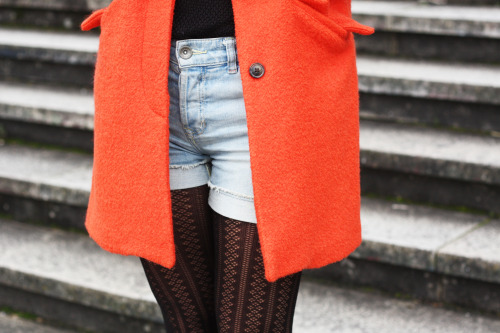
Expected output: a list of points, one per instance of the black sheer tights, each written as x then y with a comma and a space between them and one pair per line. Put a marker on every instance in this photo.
217, 283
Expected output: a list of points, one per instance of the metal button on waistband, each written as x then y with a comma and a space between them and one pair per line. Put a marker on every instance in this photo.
256, 70
185, 52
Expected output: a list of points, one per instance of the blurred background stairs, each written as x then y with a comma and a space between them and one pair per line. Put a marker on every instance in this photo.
429, 83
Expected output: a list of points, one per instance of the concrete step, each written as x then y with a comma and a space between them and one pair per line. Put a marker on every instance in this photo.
65, 276
462, 96
479, 82
50, 115
95, 4
423, 164
425, 252
75, 5
416, 17
476, 83
45, 185
430, 239
42, 19
64, 58
48, 14
444, 2
14, 324
404, 28
66, 14
330, 308
430, 165
416, 91
424, 31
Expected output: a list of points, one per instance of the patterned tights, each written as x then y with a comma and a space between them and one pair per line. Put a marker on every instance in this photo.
217, 283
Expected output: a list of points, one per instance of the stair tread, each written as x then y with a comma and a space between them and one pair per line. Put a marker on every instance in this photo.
56, 4
472, 254
415, 236
376, 71
471, 83
39, 168
15, 324
429, 143
52, 40
429, 151
47, 98
474, 75
415, 9
481, 21
72, 267
480, 75
325, 308
69, 258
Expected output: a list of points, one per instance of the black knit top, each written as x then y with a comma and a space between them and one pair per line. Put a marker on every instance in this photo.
202, 19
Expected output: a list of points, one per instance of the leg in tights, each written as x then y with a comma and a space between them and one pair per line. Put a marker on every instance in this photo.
245, 301
185, 293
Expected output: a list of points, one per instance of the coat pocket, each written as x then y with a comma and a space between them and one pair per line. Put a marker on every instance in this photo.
93, 20
340, 25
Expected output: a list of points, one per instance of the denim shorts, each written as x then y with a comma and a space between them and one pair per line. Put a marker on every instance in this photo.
208, 142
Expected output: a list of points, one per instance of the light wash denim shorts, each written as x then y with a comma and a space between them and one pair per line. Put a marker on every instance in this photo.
208, 141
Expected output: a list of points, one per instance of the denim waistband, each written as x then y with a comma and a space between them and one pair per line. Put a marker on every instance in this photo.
205, 52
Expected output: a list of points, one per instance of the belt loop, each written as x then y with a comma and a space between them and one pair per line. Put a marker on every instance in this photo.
231, 55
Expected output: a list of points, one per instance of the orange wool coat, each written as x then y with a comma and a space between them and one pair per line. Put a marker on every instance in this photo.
302, 119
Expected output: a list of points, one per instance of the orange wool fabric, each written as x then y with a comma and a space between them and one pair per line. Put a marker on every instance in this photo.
302, 118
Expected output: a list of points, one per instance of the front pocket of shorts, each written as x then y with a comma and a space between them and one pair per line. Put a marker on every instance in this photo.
174, 66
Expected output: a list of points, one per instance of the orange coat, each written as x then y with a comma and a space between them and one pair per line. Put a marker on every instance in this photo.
302, 119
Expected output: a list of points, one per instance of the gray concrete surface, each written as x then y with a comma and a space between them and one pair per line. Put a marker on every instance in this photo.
476, 253
413, 16
412, 236
47, 105
46, 174
58, 4
14, 324
429, 79
53, 40
430, 151
72, 267
54, 175
323, 309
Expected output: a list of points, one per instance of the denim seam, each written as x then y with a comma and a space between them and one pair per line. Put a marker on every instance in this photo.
175, 66
225, 191
183, 111
231, 56
205, 64
202, 102
187, 166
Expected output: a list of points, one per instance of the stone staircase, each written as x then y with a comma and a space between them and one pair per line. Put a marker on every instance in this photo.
430, 156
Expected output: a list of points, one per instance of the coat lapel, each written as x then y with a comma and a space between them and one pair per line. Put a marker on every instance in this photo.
156, 52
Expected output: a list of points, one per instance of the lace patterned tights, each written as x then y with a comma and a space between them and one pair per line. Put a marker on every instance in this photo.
217, 283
